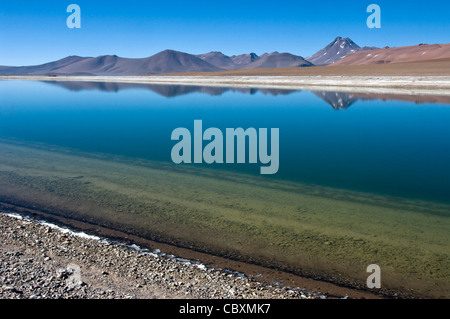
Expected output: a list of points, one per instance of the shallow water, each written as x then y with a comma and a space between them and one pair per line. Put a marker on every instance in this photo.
361, 181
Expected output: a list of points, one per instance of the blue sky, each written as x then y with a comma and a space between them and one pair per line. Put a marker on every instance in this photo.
34, 32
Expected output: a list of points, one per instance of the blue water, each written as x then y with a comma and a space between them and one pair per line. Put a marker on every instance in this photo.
393, 148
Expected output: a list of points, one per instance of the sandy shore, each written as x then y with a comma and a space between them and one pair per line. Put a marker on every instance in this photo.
409, 85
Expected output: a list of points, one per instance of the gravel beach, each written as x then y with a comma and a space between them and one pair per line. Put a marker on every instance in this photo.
43, 261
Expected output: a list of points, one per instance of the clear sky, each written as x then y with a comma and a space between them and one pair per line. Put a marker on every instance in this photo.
34, 32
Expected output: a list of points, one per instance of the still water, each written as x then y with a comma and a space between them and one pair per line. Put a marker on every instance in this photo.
361, 179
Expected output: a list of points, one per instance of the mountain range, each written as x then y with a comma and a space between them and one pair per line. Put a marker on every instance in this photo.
167, 61
170, 61
341, 51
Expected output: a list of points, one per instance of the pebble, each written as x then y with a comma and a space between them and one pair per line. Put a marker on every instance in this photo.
115, 270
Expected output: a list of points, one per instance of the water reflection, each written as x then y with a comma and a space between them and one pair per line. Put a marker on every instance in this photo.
164, 90
337, 100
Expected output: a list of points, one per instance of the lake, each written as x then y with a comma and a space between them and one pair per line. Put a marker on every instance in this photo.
363, 179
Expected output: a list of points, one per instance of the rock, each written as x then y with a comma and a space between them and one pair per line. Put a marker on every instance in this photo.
12, 289
141, 275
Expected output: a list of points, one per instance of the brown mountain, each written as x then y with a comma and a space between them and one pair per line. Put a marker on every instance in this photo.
417, 53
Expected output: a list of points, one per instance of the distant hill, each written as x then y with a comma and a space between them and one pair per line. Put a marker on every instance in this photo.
244, 59
278, 60
219, 60
416, 53
170, 61
167, 61
253, 61
335, 51
41, 69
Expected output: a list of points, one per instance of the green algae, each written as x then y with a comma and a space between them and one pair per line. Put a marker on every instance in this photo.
322, 232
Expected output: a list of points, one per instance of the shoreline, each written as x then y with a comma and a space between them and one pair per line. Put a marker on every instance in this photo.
54, 246
332, 265
126, 202
409, 85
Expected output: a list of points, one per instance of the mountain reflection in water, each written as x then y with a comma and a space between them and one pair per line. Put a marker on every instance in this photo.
337, 100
